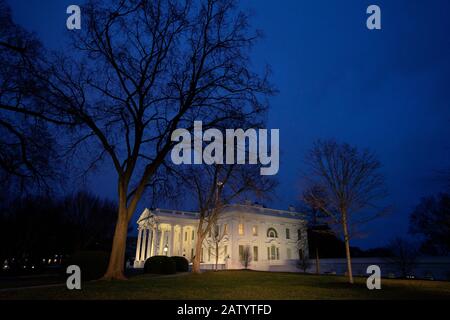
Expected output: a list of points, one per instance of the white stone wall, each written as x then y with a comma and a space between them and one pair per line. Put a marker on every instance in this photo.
175, 225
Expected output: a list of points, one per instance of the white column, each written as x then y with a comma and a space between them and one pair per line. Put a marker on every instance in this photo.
149, 243
164, 242
181, 240
144, 238
161, 242
155, 240
138, 246
171, 235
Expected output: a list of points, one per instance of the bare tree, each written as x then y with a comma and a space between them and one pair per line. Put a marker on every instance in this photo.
303, 262
217, 235
214, 187
246, 257
404, 255
350, 185
27, 146
431, 220
140, 70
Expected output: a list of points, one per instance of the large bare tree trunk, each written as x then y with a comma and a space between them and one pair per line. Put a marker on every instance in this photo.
116, 264
198, 253
347, 248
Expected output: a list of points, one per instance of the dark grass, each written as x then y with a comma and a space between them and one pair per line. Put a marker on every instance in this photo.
31, 280
250, 285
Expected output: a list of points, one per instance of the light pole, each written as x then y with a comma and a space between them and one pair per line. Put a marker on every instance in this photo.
219, 185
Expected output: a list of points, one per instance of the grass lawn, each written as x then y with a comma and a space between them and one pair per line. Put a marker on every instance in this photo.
239, 285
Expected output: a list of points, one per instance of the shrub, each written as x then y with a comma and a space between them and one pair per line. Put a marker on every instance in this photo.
181, 263
93, 264
160, 265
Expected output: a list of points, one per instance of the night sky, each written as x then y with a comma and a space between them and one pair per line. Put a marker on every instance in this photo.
387, 90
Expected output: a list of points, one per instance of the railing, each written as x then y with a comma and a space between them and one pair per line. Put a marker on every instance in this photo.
263, 210
177, 213
249, 208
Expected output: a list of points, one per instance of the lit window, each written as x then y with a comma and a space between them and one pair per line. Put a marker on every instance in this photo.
241, 229
288, 235
273, 253
255, 253
255, 230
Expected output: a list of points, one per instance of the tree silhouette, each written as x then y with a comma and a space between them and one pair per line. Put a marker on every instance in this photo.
27, 147
431, 219
347, 183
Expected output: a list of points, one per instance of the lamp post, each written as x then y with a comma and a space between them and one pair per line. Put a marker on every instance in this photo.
219, 185
165, 249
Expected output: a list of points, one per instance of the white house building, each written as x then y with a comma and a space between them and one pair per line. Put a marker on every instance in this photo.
276, 239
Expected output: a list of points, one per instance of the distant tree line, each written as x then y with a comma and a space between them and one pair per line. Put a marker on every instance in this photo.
40, 226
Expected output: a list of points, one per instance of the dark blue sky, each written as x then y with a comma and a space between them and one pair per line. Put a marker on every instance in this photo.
386, 90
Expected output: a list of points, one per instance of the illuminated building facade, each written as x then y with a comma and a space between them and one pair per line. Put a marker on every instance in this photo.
274, 239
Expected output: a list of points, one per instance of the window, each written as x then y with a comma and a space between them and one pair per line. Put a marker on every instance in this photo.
299, 234
185, 236
209, 253
241, 252
288, 253
225, 251
201, 256
225, 228
272, 233
288, 235
241, 229
192, 253
255, 253
255, 230
193, 234
273, 253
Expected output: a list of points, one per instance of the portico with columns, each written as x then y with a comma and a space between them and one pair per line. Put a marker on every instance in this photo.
165, 232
